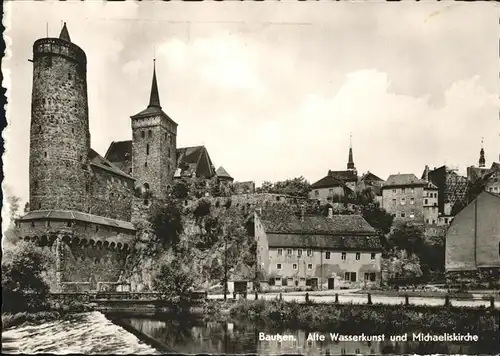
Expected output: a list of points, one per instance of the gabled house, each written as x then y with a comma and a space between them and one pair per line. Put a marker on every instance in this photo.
316, 251
473, 242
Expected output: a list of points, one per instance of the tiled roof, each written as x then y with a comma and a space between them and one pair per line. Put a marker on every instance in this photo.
221, 172
404, 180
285, 221
242, 273
345, 176
369, 176
98, 161
119, 151
190, 159
327, 182
337, 242
76, 215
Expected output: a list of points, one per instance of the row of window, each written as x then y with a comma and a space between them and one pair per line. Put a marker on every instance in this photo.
294, 266
150, 135
291, 252
402, 214
348, 276
403, 190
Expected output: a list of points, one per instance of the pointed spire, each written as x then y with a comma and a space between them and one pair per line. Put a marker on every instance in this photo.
350, 162
482, 160
65, 34
154, 99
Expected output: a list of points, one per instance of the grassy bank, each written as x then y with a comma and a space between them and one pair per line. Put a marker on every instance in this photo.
373, 319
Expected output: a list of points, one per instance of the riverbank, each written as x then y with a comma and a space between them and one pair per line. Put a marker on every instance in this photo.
372, 319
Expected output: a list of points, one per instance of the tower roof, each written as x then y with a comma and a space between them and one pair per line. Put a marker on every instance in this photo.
154, 98
350, 161
64, 34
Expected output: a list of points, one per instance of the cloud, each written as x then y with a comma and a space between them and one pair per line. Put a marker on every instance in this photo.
221, 60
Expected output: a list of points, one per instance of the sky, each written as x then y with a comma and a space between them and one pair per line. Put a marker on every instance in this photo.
274, 89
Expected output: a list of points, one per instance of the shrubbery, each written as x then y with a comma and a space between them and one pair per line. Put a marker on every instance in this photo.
374, 320
23, 286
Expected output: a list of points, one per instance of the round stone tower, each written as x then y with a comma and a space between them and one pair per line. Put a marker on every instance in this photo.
59, 135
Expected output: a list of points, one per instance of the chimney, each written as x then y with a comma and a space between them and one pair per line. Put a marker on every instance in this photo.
330, 212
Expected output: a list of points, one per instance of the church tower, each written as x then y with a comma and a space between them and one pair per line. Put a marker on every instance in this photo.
482, 160
350, 161
59, 133
154, 146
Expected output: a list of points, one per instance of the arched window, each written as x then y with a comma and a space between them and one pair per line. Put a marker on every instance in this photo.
147, 149
150, 133
142, 134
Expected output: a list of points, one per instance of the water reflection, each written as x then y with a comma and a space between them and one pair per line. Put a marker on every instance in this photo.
236, 338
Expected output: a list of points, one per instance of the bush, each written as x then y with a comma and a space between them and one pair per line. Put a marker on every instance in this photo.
23, 286
175, 280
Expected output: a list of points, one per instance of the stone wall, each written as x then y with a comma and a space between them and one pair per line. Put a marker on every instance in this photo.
60, 138
111, 195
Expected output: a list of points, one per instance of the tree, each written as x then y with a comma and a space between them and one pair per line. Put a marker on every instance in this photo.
296, 187
11, 234
167, 223
266, 187
23, 285
180, 190
175, 281
407, 237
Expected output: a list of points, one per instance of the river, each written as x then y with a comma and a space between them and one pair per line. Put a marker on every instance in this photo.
93, 333
89, 333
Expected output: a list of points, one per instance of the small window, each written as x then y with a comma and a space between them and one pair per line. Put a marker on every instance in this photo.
403, 214
280, 252
278, 266
299, 252
146, 202
426, 201
35, 184
412, 201
72, 130
403, 201
309, 252
372, 255
412, 214
327, 255
147, 149
394, 191
87, 187
344, 256
96, 228
39, 205
150, 133
316, 193
45, 154
143, 134
69, 76
427, 221
358, 256
403, 190
294, 266
309, 266
393, 201
289, 251
145, 164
